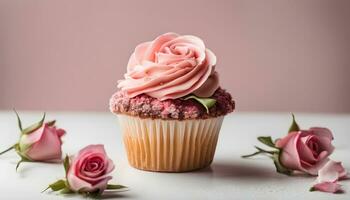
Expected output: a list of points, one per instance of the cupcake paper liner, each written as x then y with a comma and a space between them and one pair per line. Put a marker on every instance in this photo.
170, 145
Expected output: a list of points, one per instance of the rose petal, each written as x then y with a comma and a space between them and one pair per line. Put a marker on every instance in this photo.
331, 172
110, 166
313, 169
102, 185
92, 180
33, 137
290, 156
328, 176
282, 142
305, 153
331, 187
75, 183
326, 144
324, 132
93, 177
48, 148
60, 132
98, 148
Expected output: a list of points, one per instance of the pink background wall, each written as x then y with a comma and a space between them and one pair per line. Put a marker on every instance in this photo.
272, 55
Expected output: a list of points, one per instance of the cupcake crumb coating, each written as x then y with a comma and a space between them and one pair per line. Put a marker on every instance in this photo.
145, 106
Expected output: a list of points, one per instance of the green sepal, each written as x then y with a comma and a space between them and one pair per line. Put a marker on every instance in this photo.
294, 126
23, 159
279, 167
8, 149
17, 149
265, 151
312, 189
34, 127
22, 146
18, 163
66, 191
94, 194
206, 102
251, 155
57, 186
19, 121
275, 156
260, 151
115, 187
66, 164
51, 123
267, 140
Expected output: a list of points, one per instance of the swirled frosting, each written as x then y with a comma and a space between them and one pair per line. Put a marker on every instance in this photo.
170, 67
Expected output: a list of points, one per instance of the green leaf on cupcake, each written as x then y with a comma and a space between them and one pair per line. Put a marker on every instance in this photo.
206, 102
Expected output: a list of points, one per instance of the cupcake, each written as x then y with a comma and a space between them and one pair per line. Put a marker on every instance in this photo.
170, 105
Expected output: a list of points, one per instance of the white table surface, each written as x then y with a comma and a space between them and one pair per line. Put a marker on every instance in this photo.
229, 177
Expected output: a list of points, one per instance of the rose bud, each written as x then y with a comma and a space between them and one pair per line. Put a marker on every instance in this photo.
40, 142
87, 173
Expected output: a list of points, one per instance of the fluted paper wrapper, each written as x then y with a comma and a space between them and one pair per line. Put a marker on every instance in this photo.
170, 145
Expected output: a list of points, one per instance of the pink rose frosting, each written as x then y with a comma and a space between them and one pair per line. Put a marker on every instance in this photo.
170, 67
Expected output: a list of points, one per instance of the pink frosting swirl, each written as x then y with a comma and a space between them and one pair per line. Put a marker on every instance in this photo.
170, 67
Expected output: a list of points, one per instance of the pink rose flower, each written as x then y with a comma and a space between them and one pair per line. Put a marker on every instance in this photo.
328, 176
90, 170
40, 142
43, 144
87, 173
306, 150
170, 67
